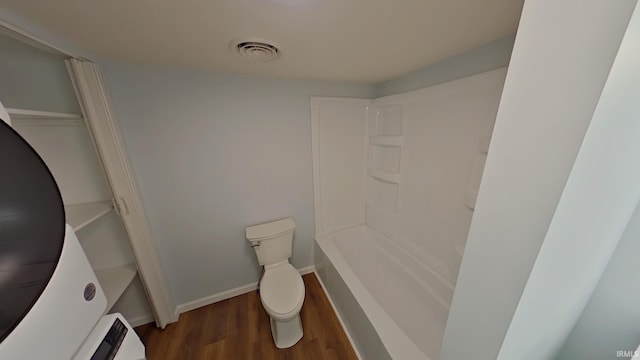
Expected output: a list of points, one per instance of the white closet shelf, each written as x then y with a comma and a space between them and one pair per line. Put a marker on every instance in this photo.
36, 114
384, 175
386, 140
114, 281
21, 117
81, 215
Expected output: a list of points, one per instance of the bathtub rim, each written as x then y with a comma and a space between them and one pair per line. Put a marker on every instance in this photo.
398, 347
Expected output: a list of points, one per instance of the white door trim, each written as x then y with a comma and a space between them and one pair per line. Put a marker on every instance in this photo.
97, 111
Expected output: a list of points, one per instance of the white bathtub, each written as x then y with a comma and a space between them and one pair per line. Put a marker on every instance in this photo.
392, 305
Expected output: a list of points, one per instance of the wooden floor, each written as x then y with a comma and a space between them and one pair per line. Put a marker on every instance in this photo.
238, 328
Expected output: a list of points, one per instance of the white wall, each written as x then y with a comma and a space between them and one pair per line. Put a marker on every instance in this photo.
213, 154
339, 138
611, 320
553, 83
599, 198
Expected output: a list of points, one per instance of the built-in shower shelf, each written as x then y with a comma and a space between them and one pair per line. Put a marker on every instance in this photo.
384, 176
386, 140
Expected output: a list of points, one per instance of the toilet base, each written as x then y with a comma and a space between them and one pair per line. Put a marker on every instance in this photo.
286, 333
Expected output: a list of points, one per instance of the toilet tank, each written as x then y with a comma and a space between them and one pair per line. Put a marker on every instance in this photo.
272, 241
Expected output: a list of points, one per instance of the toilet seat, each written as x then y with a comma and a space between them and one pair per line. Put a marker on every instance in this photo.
282, 291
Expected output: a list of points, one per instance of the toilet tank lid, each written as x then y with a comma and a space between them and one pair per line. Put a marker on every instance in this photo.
270, 229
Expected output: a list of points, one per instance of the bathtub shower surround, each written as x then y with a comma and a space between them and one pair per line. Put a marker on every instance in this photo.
395, 184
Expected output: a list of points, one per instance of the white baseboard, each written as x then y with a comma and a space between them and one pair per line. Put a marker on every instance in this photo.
333, 306
307, 270
208, 300
141, 320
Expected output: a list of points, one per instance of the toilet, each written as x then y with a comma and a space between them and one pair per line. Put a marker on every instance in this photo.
281, 286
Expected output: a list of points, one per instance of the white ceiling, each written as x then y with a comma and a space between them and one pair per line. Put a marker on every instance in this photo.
351, 40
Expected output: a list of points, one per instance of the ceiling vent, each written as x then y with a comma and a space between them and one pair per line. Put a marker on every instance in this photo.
255, 50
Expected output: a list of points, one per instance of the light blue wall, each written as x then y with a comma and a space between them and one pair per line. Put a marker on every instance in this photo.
490, 56
34, 79
611, 320
214, 153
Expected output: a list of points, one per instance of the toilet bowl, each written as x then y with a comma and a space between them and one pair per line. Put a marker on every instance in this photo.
281, 287
282, 294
